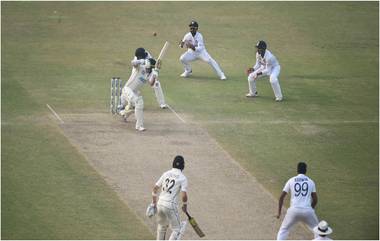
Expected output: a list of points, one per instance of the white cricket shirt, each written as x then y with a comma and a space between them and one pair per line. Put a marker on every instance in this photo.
139, 77
171, 183
196, 40
266, 63
300, 188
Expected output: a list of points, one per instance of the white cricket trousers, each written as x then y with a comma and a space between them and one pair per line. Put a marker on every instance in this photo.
137, 101
159, 93
295, 215
168, 217
273, 79
191, 55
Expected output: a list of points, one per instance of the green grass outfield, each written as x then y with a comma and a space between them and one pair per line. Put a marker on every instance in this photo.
328, 52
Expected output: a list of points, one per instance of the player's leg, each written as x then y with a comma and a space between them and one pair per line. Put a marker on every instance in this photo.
162, 222
185, 59
159, 94
175, 224
123, 102
127, 103
252, 77
205, 56
311, 220
290, 219
273, 78
139, 107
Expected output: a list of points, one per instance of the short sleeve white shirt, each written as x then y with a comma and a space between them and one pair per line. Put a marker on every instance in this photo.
300, 188
171, 183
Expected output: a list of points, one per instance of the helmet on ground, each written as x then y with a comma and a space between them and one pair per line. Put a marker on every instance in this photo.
193, 23
140, 53
261, 45
179, 162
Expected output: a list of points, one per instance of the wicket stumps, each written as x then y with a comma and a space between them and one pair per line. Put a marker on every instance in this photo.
116, 87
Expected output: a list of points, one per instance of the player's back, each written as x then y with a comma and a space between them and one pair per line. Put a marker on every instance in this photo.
171, 183
300, 188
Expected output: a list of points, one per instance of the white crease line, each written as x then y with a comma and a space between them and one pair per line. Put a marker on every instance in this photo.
55, 113
179, 117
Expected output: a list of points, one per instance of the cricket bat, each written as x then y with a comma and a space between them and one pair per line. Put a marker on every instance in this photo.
162, 54
195, 226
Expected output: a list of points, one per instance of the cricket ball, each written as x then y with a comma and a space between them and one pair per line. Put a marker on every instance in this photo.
154, 34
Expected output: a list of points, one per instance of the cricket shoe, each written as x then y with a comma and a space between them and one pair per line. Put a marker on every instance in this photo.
250, 95
223, 77
140, 128
163, 106
186, 74
278, 99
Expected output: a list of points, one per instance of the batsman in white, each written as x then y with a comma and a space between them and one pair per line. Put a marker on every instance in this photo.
196, 49
171, 183
302, 203
156, 87
266, 65
143, 71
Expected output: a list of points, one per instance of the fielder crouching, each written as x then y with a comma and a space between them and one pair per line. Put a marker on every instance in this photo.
171, 183
143, 71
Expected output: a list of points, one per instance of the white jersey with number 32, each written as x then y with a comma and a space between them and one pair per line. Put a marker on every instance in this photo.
300, 187
171, 183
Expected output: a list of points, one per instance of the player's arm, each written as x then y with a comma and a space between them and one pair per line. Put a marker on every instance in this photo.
155, 194
280, 203
182, 42
153, 77
155, 190
184, 201
137, 62
314, 199
184, 195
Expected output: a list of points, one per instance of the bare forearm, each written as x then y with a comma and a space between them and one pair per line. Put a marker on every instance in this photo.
314, 200
155, 195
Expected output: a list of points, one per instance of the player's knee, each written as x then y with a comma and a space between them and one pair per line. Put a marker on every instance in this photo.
156, 84
139, 103
273, 80
251, 77
183, 59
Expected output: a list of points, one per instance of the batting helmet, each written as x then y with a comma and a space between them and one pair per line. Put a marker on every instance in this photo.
179, 162
193, 24
140, 53
261, 45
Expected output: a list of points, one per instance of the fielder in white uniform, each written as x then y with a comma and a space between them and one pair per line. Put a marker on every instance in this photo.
196, 49
171, 184
302, 203
143, 71
322, 230
266, 65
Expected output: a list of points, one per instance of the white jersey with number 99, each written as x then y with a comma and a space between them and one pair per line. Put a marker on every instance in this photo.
171, 183
300, 188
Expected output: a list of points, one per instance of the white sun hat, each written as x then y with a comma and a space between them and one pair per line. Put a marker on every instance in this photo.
323, 228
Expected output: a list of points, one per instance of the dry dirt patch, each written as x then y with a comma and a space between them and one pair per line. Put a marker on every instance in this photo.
227, 201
